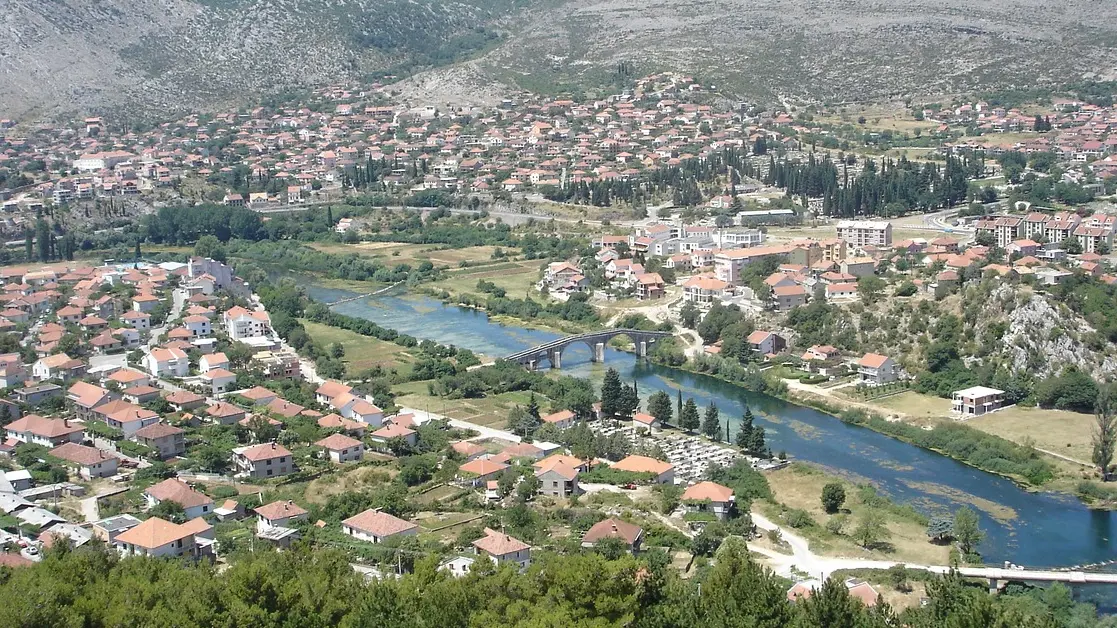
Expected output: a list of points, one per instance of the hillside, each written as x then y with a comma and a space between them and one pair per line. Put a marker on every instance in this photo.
70, 56
73, 55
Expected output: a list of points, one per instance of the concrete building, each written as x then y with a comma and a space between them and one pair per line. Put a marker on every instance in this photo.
861, 233
976, 401
375, 526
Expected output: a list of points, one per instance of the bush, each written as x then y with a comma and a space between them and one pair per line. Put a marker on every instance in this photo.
798, 518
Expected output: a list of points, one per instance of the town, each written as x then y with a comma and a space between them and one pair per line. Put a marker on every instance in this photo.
176, 388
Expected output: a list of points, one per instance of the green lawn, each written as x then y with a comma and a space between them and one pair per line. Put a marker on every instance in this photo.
912, 404
517, 278
361, 352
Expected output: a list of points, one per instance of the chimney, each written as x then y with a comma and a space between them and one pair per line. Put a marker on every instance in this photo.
66, 422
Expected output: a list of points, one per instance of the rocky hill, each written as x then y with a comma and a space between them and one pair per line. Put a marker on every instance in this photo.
97, 55
142, 57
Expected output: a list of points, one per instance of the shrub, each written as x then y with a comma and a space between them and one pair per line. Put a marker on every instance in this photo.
798, 518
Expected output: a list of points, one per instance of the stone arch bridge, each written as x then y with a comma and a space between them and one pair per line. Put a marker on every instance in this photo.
552, 351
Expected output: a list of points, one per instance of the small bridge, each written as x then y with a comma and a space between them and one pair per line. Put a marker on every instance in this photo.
552, 351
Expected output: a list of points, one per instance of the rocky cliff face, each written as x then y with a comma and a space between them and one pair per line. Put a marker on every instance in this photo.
1042, 337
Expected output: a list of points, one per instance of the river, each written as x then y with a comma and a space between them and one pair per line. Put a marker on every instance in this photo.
1032, 529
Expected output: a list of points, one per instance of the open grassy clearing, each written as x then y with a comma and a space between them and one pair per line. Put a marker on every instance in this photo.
489, 411
405, 253
908, 403
800, 486
320, 490
517, 278
1064, 433
361, 352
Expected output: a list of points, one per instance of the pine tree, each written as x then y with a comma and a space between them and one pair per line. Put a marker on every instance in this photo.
744, 431
28, 244
711, 424
688, 418
329, 215
612, 394
533, 407
678, 399
757, 446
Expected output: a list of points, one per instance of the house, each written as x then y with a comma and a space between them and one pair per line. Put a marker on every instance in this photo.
564, 419
35, 429
241, 323
57, 366
91, 462
230, 510
219, 380
662, 472
481, 470
198, 326
704, 291
167, 441
108, 529
258, 395
342, 448
767, 343
337, 422
158, 538
631, 534
458, 566
185, 400
375, 526
709, 497
145, 303
558, 480
263, 461
841, 292
84, 397
128, 378
649, 286
329, 389
167, 362
127, 417
876, 369
225, 413
353, 407
279, 514
976, 401
787, 297
212, 362
175, 490
501, 548
858, 589
34, 395
395, 430
140, 321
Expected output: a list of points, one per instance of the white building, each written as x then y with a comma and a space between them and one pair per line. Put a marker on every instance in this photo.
865, 232
241, 323
375, 526
170, 362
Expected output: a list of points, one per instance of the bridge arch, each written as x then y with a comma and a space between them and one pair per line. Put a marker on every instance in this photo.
596, 341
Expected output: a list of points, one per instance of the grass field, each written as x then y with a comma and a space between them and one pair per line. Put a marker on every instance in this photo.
517, 278
361, 352
1064, 433
912, 404
800, 486
489, 411
404, 253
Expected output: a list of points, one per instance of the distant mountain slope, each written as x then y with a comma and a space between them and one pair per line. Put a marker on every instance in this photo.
66, 56
829, 49
58, 56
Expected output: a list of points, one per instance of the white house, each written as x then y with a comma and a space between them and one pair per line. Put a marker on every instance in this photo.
876, 369
157, 538
170, 362
501, 548
197, 325
342, 448
279, 514
212, 361
709, 497
91, 462
241, 323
